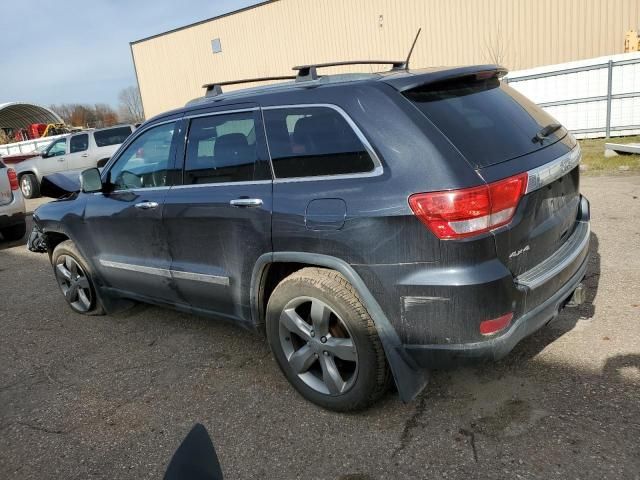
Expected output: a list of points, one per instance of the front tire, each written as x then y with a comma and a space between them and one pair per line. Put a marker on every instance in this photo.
29, 186
325, 342
74, 279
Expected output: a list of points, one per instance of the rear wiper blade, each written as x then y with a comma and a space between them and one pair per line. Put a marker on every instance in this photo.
545, 132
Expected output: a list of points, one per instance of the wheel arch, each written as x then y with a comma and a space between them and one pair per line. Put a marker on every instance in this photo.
54, 238
409, 379
111, 304
31, 171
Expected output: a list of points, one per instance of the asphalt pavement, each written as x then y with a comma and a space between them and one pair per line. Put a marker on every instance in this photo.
112, 397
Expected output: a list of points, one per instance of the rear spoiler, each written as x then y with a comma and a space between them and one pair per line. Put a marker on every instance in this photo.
418, 78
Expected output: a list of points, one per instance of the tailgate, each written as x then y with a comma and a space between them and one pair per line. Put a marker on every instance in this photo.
6, 195
501, 134
546, 217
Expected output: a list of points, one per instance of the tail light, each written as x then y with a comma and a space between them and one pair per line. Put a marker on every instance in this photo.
466, 212
13, 179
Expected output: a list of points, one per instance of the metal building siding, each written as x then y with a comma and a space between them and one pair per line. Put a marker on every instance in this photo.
269, 39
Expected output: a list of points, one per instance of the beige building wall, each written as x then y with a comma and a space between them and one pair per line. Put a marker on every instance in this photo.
269, 39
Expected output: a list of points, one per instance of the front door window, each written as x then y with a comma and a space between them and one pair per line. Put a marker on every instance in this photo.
145, 162
57, 148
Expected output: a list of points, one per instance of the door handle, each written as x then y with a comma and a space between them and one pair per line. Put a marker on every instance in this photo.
61, 159
246, 202
146, 205
85, 155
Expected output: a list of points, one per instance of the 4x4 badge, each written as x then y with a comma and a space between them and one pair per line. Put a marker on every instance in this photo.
517, 253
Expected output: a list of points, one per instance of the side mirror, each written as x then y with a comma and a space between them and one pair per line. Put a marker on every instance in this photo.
90, 181
44, 154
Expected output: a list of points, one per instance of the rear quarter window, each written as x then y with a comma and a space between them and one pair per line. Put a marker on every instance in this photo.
111, 136
314, 141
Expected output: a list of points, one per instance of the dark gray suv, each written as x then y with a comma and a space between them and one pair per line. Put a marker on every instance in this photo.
373, 226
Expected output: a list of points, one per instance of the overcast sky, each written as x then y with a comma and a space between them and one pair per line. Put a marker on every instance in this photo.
78, 51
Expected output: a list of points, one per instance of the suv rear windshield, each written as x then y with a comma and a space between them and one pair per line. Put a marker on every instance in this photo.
111, 136
487, 121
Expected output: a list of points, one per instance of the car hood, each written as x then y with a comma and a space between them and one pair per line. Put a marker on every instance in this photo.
57, 185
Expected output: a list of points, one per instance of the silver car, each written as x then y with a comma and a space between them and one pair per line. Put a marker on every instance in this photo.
12, 209
78, 151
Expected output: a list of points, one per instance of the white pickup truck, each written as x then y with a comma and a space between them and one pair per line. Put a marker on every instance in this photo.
77, 151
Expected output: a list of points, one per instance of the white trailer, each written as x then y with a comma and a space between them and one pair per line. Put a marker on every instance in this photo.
27, 146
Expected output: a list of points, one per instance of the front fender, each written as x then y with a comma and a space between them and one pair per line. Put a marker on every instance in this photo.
409, 378
63, 217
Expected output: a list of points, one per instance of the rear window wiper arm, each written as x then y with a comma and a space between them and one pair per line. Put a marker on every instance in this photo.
546, 131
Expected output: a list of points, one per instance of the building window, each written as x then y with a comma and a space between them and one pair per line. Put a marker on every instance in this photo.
216, 46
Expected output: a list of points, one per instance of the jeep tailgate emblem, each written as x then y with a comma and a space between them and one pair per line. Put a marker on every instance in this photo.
517, 253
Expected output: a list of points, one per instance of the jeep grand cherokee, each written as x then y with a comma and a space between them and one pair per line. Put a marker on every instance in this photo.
373, 225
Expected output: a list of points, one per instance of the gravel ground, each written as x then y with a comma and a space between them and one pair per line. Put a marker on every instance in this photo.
112, 397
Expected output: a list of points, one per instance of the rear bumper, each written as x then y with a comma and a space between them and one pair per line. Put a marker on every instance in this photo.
440, 308
13, 213
11, 219
443, 356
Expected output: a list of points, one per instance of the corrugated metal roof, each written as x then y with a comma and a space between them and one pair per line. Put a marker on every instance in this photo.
21, 114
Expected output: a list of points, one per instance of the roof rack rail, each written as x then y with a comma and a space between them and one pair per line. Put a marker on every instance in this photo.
309, 72
214, 89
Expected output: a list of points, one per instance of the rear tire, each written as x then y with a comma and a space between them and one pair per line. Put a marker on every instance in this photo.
14, 233
29, 186
74, 279
325, 342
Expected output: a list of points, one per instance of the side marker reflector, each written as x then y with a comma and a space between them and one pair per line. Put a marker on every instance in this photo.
489, 327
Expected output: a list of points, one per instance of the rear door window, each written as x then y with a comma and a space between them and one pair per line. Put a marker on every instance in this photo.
224, 148
79, 143
487, 121
314, 141
111, 136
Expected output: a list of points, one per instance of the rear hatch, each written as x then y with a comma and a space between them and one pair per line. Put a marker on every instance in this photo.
501, 133
6, 195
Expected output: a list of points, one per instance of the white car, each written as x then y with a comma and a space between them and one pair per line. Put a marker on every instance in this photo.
77, 151
12, 209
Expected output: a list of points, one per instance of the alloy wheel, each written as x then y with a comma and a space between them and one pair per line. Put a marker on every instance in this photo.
318, 346
74, 283
25, 185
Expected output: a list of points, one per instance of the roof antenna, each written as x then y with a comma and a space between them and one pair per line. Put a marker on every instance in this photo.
406, 62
